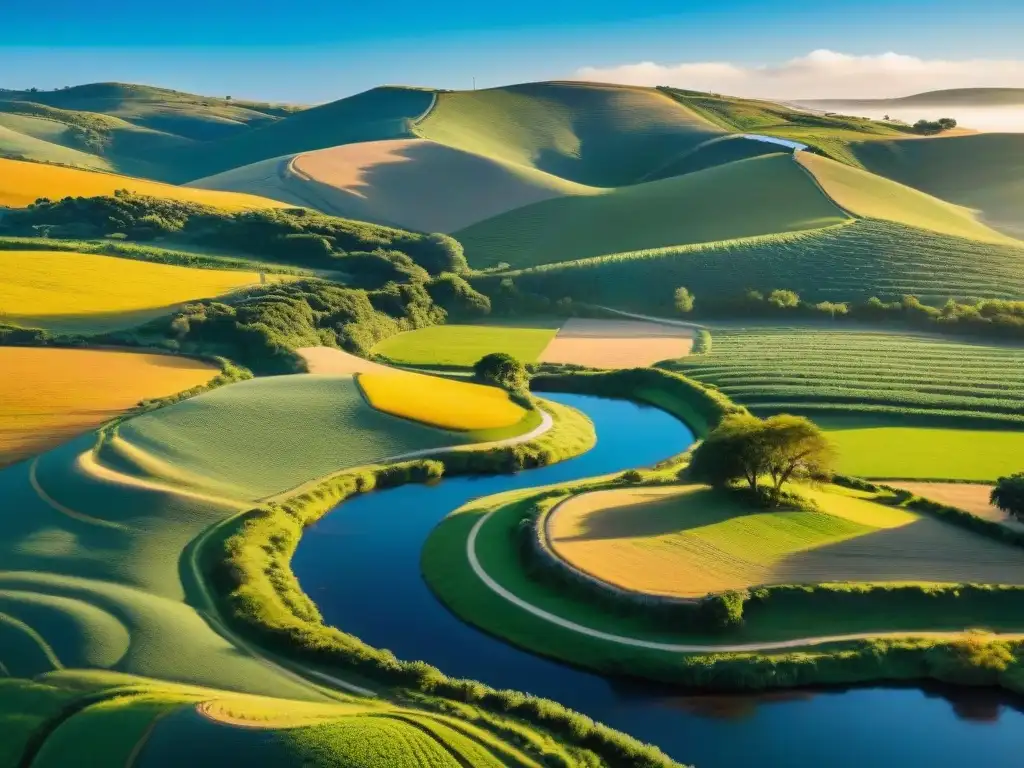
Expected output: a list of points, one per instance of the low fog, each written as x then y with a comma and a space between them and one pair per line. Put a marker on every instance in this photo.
985, 119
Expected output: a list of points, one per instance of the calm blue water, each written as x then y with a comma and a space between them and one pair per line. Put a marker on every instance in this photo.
376, 540
775, 140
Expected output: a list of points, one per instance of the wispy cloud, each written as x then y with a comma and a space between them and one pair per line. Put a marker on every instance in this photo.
819, 74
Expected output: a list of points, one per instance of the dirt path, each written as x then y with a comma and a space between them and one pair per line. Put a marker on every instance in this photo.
633, 642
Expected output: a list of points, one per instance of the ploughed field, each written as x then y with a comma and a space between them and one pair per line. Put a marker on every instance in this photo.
89, 293
48, 396
690, 541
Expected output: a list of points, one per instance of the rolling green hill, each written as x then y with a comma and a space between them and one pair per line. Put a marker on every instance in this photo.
853, 262
984, 172
758, 196
870, 196
599, 135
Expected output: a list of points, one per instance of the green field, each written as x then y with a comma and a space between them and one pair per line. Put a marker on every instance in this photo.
600, 135
721, 203
876, 447
814, 369
463, 345
306, 427
853, 262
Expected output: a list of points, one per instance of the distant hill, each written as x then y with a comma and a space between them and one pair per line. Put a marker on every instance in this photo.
958, 97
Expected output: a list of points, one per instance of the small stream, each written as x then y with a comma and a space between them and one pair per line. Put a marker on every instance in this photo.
360, 564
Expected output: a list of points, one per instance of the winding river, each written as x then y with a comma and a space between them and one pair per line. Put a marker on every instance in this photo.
360, 564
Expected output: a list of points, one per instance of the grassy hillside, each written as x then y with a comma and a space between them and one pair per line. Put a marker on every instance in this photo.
52, 395
830, 134
984, 172
380, 113
306, 427
692, 540
853, 262
23, 183
409, 183
758, 196
870, 196
87, 293
599, 135
777, 368
44, 141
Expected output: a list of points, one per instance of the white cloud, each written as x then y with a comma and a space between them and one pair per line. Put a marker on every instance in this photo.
819, 74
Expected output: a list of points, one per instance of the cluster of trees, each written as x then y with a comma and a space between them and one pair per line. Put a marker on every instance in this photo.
500, 369
931, 127
988, 316
297, 236
1008, 495
745, 448
261, 329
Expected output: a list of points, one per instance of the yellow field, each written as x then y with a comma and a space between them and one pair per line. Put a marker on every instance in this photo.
455, 405
62, 290
687, 541
22, 183
48, 396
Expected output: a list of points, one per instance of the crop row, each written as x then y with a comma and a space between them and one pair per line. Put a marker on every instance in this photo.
851, 262
809, 369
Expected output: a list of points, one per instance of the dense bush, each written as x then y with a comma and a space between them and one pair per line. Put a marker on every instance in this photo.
500, 369
1008, 495
294, 235
458, 298
262, 329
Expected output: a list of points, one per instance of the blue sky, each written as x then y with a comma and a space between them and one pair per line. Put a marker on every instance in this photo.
315, 50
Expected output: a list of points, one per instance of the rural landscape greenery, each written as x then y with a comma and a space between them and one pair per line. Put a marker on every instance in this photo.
224, 323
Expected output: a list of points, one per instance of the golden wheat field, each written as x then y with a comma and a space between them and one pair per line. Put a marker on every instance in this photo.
50, 395
22, 183
687, 541
970, 497
617, 343
443, 403
67, 291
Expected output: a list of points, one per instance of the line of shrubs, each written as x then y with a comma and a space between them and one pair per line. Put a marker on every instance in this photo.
259, 592
989, 317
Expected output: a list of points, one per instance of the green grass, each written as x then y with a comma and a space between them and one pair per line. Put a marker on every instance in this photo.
984, 172
719, 203
875, 197
849, 263
600, 135
306, 427
463, 345
880, 448
815, 369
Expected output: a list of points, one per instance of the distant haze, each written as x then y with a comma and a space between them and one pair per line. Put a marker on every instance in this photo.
986, 119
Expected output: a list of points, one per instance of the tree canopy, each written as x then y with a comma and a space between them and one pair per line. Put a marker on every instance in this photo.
746, 448
1008, 495
501, 370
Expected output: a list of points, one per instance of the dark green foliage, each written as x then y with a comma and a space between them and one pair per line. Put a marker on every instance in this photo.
931, 127
500, 369
723, 611
262, 328
294, 236
683, 300
457, 297
1008, 495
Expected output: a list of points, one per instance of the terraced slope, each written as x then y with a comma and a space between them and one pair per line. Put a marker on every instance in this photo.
377, 114
853, 262
23, 183
88, 293
816, 370
599, 135
409, 183
984, 172
758, 196
868, 195
306, 426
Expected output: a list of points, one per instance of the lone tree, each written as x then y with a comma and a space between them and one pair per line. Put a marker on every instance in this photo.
1008, 495
501, 370
746, 448
683, 300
